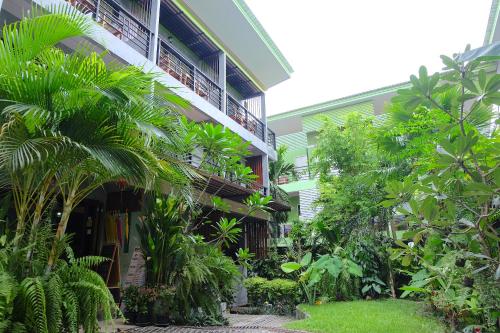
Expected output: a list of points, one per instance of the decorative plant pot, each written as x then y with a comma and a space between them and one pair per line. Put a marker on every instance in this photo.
131, 316
162, 320
143, 319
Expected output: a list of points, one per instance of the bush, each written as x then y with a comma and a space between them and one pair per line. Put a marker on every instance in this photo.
281, 294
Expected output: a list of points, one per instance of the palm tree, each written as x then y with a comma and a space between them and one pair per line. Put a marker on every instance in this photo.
71, 122
278, 169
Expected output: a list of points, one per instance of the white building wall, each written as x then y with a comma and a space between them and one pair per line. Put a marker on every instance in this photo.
306, 200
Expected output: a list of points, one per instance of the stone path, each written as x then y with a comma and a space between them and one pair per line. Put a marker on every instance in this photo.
237, 324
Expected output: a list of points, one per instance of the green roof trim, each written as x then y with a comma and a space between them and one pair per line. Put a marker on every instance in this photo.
259, 29
492, 22
339, 102
300, 185
197, 22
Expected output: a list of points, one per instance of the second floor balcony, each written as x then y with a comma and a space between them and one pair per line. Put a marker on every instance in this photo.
198, 69
300, 173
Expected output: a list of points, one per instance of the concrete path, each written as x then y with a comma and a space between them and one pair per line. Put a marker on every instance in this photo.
237, 324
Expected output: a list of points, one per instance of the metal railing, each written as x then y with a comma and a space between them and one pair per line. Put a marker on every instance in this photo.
188, 74
117, 20
271, 138
301, 173
242, 116
196, 160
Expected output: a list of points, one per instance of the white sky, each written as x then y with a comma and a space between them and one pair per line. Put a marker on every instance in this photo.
343, 47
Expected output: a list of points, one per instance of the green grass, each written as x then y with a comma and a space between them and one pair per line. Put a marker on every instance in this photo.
385, 316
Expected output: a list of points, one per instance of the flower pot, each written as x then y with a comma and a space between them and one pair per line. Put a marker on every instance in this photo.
131, 316
143, 319
162, 320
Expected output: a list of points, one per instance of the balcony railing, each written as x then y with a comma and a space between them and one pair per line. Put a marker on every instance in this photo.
242, 116
117, 20
127, 27
188, 74
271, 138
301, 173
195, 160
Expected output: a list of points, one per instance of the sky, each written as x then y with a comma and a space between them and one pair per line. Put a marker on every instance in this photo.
343, 47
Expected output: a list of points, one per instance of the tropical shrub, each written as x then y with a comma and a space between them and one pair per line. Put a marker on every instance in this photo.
66, 299
281, 295
269, 267
199, 274
446, 124
331, 275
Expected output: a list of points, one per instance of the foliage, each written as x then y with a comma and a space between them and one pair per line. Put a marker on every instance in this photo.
371, 253
380, 316
199, 273
445, 124
269, 267
91, 123
329, 275
281, 294
66, 299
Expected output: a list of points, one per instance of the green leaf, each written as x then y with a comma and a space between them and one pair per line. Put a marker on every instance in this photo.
478, 189
306, 259
450, 63
469, 85
354, 269
290, 267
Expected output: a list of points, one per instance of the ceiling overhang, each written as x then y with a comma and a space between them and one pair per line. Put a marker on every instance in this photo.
233, 27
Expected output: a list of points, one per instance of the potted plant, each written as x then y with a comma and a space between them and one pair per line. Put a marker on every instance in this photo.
145, 301
130, 300
163, 305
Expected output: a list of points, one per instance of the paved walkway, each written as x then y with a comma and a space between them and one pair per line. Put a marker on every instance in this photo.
237, 324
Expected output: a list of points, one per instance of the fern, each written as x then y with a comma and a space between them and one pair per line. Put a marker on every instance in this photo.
33, 302
70, 311
54, 303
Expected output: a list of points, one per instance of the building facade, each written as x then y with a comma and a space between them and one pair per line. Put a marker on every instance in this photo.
297, 129
213, 54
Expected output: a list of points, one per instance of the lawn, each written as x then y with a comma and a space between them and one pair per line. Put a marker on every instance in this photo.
386, 316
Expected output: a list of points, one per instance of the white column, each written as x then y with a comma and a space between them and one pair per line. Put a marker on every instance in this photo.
265, 172
222, 80
1, 5
154, 25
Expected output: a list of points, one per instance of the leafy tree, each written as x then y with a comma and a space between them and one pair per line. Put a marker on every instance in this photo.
447, 125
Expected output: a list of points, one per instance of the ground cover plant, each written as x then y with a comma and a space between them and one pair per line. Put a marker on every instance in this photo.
381, 316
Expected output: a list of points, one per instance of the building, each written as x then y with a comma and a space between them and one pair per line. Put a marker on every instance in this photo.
218, 57
297, 129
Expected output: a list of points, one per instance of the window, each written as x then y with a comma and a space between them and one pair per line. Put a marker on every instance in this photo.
298, 210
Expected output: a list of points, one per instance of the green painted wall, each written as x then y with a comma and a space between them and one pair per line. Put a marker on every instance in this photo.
293, 214
299, 142
313, 122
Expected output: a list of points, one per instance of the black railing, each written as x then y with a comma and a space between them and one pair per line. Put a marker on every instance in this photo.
271, 138
117, 20
242, 116
188, 74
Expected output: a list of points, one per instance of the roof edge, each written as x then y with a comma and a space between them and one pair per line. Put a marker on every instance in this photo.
492, 22
199, 23
339, 102
264, 36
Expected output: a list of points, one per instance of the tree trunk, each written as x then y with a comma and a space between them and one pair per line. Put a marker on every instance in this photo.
61, 228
